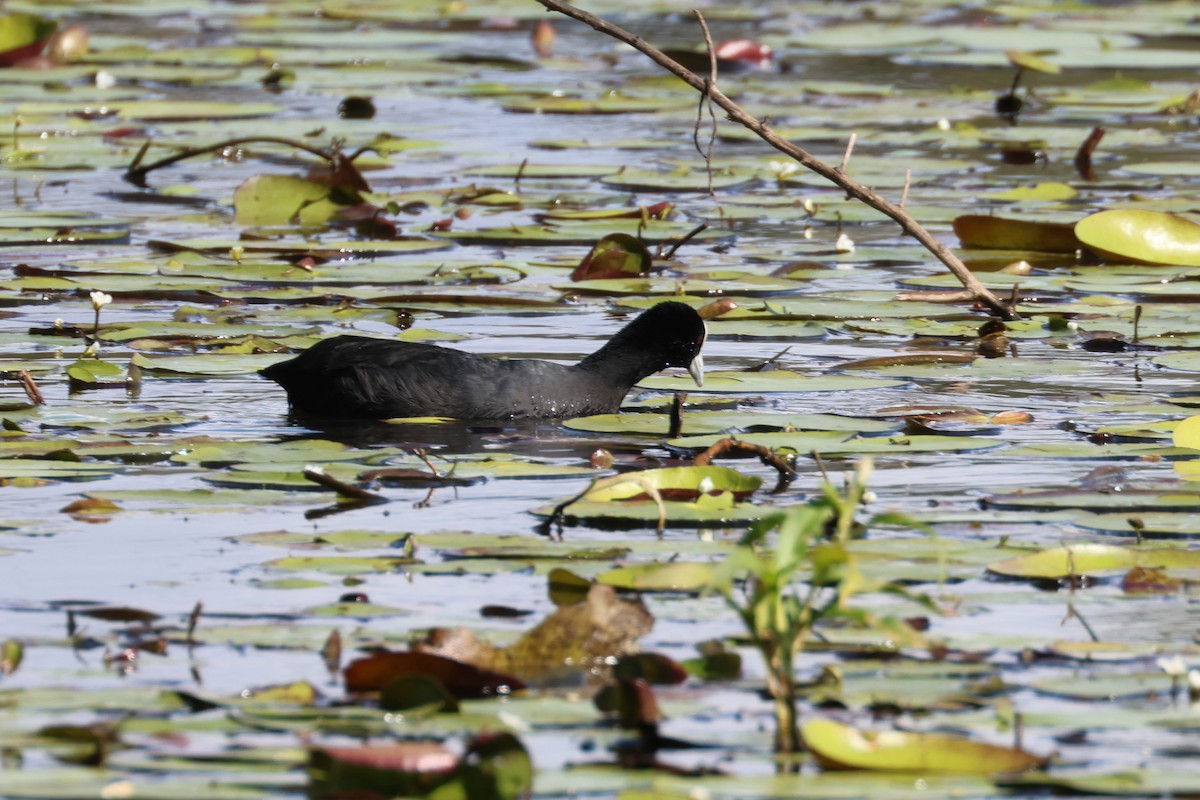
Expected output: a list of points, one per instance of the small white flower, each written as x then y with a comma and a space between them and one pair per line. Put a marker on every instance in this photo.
1193, 682
844, 244
1173, 666
809, 206
943, 124
105, 80
100, 300
783, 169
706, 485
237, 252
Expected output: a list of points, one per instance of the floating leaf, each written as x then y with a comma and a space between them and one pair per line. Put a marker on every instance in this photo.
769, 381
677, 576
23, 36
283, 200
706, 512
94, 373
998, 233
841, 444
1088, 558
616, 255
1152, 523
494, 766
1187, 433
672, 483
1031, 61
1041, 193
576, 637
337, 565
838, 746
1142, 237
379, 669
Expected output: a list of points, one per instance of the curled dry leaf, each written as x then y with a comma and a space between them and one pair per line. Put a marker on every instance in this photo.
580, 636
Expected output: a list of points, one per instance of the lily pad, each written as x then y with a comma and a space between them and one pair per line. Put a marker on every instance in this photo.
838, 746
767, 382
1143, 237
1088, 558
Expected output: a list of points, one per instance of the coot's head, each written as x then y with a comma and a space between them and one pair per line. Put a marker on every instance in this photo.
675, 331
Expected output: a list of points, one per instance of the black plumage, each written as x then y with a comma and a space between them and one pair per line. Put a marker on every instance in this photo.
358, 377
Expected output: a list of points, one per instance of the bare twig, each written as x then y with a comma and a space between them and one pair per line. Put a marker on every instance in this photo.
31, 388
318, 475
963, 296
853, 188
765, 455
706, 100
136, 172
907, 186
846, 155
701, 228
423, 454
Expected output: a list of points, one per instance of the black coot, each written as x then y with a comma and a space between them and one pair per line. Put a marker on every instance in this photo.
363, 378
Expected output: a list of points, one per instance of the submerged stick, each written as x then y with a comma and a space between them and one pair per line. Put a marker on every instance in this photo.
853, 188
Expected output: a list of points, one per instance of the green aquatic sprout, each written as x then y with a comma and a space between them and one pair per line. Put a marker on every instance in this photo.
780, 608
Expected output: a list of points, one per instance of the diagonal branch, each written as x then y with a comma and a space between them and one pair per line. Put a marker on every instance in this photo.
853, 188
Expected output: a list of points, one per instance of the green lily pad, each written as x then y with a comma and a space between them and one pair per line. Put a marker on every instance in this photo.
1088, 558
842, 444
707, 512
767, 382
283, 200
701, 422
1128, 500
1143, 237
355, 610
337, 565
838, 746
677, 576
1151, 523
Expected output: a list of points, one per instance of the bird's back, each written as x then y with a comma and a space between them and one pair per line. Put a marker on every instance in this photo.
365, 378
